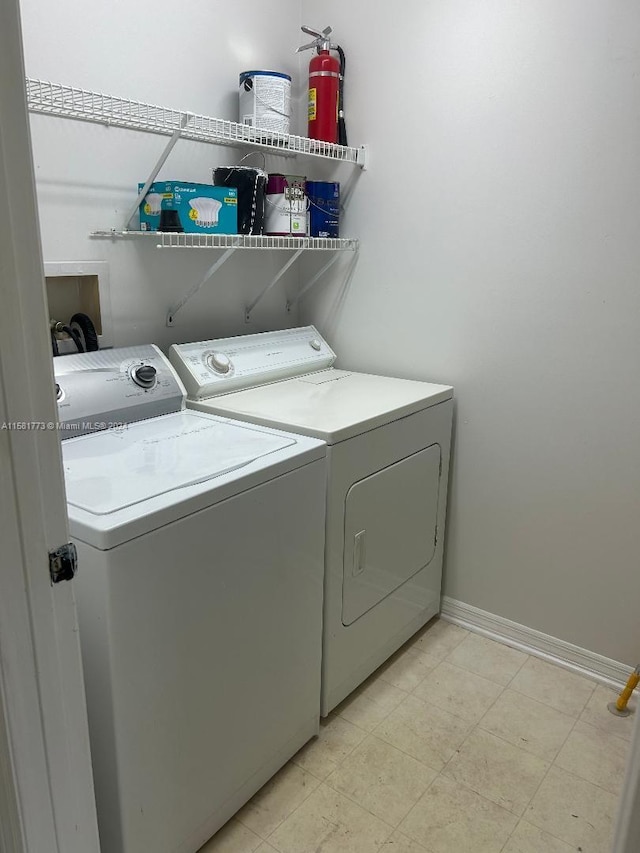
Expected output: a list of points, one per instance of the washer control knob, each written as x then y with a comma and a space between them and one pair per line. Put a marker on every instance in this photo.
219, 362
315, 344
144, 375
58, 392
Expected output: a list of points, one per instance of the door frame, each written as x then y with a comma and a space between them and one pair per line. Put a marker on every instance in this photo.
47, 803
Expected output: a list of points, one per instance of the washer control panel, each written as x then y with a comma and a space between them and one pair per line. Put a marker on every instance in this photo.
208, 368
114, 387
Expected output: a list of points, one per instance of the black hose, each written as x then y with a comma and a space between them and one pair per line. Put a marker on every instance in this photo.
75, 337
54, 343
342, 128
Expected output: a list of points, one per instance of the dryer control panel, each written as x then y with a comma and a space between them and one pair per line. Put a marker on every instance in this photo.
208, 368
114, 387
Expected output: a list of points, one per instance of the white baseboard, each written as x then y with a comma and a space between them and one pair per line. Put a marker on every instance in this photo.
535, 643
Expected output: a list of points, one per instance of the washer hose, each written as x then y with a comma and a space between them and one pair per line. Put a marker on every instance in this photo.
73, 334
75, 337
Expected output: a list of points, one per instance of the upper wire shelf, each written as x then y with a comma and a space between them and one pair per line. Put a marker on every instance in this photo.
84, 105
169, 240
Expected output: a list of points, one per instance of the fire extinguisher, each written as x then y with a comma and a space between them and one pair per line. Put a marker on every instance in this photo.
326, 88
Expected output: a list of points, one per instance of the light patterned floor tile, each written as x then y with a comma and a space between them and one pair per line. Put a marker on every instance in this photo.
424, 731
563, 690
277, 799
336, 740
451, 819
422, 710
499, 771
370, 703
529, 839
329, 822
382, 779
597, 714
532, 726
407, 668
462, 693
595, 755
399, 843
487, 658
575, 811
232, 838
438, 638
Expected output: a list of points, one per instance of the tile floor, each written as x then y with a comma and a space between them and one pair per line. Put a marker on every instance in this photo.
457, 744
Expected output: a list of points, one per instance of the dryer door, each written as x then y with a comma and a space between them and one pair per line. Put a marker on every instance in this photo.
390, 530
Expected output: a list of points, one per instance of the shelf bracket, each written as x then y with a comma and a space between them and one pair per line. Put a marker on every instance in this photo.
363, 157
185, 119
312, 281
171, 316
274, 281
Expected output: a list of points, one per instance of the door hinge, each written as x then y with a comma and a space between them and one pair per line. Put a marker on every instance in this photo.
63, 563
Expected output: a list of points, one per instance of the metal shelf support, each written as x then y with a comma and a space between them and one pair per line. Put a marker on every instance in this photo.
272, 283
171, 316
312, 281
185, 119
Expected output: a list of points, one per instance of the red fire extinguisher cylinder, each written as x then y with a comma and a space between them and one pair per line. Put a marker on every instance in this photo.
324, 81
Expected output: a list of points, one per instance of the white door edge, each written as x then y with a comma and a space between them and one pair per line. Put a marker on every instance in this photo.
12, 839
46, 787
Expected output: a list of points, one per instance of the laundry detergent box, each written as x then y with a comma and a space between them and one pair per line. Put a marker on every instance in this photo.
195, 208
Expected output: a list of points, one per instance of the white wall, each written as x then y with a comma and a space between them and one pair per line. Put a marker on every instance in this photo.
500, 253
182, 55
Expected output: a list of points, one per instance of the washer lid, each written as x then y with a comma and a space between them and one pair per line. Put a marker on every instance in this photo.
117, 468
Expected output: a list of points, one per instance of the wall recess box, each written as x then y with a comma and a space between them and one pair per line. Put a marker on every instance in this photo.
80, 286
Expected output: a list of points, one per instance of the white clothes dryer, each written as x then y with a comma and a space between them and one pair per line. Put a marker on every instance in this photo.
201, 545
388, 462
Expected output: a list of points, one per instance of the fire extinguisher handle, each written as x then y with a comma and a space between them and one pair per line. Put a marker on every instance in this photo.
320, 42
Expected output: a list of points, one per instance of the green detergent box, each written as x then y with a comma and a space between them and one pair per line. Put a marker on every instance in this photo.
198, 208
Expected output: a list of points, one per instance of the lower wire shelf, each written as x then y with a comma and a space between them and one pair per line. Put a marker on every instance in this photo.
230, 243
170, 240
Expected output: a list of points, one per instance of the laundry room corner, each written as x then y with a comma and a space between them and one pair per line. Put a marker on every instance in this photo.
497, 253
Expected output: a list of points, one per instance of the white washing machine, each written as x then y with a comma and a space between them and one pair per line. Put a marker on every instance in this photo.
201, 548
388, 462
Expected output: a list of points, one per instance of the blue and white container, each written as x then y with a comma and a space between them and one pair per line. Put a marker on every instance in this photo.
265, 100
324, 208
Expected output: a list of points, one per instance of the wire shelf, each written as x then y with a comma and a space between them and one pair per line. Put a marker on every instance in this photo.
84, 105
168, 240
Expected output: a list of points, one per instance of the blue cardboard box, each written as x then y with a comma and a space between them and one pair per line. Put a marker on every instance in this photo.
201, 208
